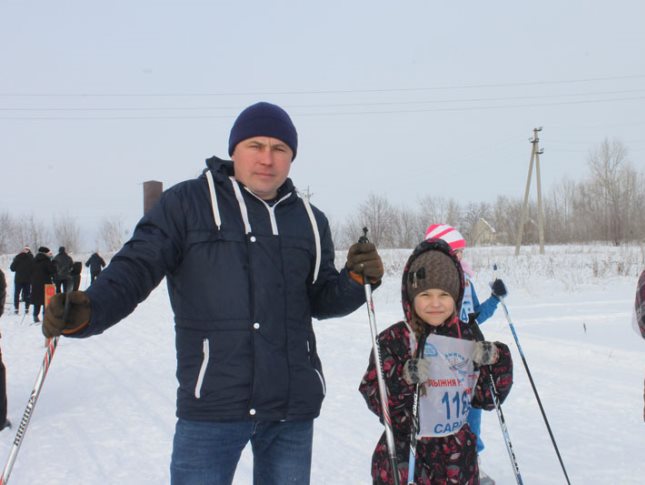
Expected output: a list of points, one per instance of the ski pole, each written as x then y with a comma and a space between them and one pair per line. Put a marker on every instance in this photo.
387, 420
412, 461
479, 336
528, 373
31, 403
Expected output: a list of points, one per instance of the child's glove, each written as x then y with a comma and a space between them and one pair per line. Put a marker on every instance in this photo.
485, 353
416, 371
499, 288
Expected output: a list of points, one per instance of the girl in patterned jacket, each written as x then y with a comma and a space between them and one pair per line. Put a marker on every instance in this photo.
434, 352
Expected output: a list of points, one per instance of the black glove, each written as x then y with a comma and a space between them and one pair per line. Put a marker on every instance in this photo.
78, 318
485, 353
499, 288
416, 370
363, 259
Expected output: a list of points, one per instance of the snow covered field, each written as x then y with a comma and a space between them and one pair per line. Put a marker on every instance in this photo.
106, 412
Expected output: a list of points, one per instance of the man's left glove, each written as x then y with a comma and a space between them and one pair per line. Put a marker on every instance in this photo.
485, 353
499, 288
78, 318
363, 260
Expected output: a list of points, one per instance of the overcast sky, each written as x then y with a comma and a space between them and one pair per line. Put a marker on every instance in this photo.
405, 99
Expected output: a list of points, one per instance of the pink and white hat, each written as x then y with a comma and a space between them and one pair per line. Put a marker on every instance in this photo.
448, 233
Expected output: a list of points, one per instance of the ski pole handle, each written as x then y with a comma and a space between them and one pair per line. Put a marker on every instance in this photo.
363, 239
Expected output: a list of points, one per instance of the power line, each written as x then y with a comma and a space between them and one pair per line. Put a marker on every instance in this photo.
337, 113
330, 91
336, 105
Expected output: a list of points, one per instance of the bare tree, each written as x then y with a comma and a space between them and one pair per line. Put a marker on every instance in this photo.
111, 234
472, 214
506, 215
609, 172
336, 231
67, 232
437, 210
408, 229
560, 214
14, 234
378, 215
6, 231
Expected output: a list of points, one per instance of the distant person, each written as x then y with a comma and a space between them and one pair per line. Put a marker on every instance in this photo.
470, 305
639, 304
64, 265
5, 423
21, 265
639, 315
42, 274
77, 269
248, 264
95, 263
3, 292
428, 349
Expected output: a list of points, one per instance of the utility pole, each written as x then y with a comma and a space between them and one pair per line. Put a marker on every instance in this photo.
307, 194
535, 158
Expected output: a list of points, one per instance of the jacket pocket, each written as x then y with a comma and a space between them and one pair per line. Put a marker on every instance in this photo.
322, 382
202, 368
317, 366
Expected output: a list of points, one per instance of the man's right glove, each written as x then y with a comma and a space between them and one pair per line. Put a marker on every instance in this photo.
364, 260
78, 318
499, 288
416, 371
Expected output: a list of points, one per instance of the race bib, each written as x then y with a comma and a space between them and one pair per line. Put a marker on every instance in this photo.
444, 400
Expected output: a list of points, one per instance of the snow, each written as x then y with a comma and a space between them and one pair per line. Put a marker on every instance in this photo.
106, 411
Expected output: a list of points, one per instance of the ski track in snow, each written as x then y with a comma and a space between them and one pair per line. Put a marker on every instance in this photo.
106, 411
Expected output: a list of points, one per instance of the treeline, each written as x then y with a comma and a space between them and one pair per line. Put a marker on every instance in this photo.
608, 205
61, 231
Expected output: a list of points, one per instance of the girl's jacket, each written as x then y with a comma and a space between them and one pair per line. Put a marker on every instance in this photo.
245, 279
449, 459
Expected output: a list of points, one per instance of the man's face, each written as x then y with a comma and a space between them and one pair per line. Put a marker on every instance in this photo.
262, 163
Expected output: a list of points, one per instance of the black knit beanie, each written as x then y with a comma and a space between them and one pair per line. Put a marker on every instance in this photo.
433, 269
263, 119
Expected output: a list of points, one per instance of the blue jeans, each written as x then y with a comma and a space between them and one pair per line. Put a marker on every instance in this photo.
207, 453
475, 423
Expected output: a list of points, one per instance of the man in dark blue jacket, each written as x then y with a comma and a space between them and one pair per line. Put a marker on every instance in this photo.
248, 264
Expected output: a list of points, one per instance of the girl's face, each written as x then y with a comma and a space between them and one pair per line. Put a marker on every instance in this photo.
459, 253
434, 306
